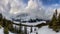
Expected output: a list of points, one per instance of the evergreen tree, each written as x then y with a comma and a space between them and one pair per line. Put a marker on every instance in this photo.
58, 22
53, 23
4, 22
6, 27
10, 24
59, 18
56, 13
20, 29
25, 30
1, 16
31, 29
6, 30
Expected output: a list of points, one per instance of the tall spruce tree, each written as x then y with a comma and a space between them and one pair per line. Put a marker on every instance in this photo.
6, 31
20, 28
54, 19
1, 17
6, 27
59, 18
25, 30
31, 29
58, 23
53, 23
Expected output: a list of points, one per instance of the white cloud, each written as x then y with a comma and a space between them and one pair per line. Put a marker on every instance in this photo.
34, 8
17, 6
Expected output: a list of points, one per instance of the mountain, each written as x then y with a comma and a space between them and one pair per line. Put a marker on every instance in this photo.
24, 17
30, 20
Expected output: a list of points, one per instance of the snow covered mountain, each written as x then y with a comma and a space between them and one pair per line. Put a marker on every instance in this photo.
27, 18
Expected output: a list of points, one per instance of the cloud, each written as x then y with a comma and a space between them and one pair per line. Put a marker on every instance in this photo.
17, 6
35, 8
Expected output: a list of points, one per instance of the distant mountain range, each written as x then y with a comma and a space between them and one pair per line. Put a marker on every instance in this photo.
27, 18
30, 20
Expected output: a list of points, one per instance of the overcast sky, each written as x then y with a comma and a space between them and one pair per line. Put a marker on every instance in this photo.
40, 8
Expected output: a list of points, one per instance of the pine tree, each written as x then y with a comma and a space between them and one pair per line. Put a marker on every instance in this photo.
56, 13
59, 18
53, 23
6, 27
58, 22
20, 29
31, 29
4, 22
1, 16
25, 30
10, 24
6, 30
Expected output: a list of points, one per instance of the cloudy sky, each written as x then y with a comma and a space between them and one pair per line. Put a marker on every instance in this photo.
35, 8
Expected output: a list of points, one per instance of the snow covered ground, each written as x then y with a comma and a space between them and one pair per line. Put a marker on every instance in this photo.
2, 31
42, 30
45, 30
